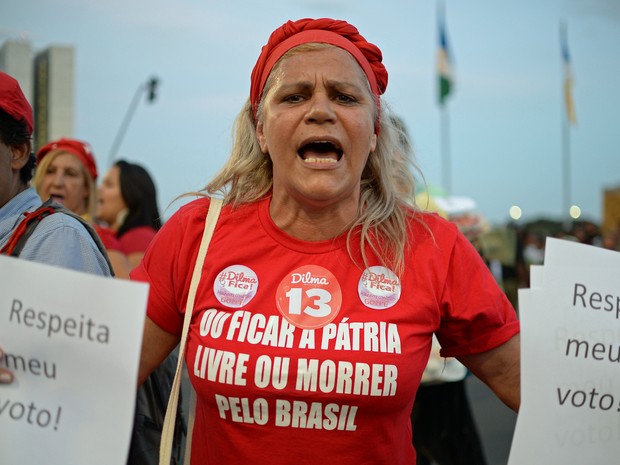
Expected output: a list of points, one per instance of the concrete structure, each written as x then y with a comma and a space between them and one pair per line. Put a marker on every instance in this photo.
47, 79
54, 97
16, 60
611, 209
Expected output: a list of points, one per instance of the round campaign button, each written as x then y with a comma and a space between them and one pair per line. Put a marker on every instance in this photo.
309, 297
379, 288
235, 286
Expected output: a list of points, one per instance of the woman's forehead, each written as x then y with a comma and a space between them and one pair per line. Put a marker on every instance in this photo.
328, 60
65, 158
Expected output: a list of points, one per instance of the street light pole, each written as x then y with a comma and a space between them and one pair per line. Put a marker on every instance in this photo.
150, 87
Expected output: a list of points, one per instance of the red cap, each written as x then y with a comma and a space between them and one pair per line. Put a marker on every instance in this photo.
13, 101
80, 149
325, 30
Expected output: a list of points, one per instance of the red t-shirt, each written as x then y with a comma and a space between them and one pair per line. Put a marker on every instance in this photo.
137, 239
299, 356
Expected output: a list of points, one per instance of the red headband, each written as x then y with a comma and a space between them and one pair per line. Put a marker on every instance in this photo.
81, 150
13, 101
324, 30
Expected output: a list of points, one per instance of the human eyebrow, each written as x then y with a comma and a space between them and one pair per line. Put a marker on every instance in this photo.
351, 90
294, 87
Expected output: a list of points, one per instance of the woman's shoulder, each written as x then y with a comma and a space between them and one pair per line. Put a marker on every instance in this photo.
194, 213
427, 223
193, 207
200, 206
183, 231
137, 239
141, 231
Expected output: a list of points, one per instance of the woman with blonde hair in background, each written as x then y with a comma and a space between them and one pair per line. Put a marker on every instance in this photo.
67, 173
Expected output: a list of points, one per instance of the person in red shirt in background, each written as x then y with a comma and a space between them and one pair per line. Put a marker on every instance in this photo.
127, 203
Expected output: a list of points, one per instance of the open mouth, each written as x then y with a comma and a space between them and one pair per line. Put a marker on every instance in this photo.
57, 198
320, 152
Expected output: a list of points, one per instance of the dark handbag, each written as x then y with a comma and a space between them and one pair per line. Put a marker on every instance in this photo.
151, 404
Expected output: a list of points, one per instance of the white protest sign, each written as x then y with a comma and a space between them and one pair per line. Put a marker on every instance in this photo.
536, 276
560, 252
570, 351
72, 341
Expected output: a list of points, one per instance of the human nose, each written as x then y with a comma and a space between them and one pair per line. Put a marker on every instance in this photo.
58, 178
320, 110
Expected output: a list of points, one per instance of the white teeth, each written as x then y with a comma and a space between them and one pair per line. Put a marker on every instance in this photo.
319, 160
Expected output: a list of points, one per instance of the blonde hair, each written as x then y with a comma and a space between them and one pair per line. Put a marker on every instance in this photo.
43, 166
387, 184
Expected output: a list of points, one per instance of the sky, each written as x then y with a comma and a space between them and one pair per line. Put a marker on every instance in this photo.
505, 115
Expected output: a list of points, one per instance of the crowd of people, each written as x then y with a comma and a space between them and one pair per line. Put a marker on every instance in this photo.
102, 230
317, 237
510, 250
123, 209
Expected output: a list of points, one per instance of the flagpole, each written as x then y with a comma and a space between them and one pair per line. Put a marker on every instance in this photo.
445, 88
568, 118
566, 167
445, 148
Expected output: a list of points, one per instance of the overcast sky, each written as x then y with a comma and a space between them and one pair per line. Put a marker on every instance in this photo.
505, 114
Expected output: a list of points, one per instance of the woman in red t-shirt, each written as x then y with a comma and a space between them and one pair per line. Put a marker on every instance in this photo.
322, 287
127, 203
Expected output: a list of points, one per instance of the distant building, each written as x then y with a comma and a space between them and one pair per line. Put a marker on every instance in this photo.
48, 82
54, 86
16, 60
611, 209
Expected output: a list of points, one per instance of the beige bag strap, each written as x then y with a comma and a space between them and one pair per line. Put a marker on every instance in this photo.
167, 434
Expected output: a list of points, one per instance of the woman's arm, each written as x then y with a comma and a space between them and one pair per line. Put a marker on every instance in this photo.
134, 259
120, 264
500, 369
156, 345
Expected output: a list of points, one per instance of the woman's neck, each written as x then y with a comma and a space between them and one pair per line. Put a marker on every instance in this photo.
119, 220
312, 222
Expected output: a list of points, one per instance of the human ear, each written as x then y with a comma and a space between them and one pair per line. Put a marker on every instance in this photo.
19, 155
260, 134
373, 143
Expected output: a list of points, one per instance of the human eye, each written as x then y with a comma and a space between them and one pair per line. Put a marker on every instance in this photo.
345, 94
345, 98
294, 92
292, 98
77, 170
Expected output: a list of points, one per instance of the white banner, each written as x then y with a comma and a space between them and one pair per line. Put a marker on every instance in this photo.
570, 357
73, 342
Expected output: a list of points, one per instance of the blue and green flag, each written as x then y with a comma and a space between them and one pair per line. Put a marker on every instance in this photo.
444, 63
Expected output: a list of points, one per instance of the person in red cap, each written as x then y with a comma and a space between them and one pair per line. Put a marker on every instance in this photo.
59, 239
66, 172
322, 286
